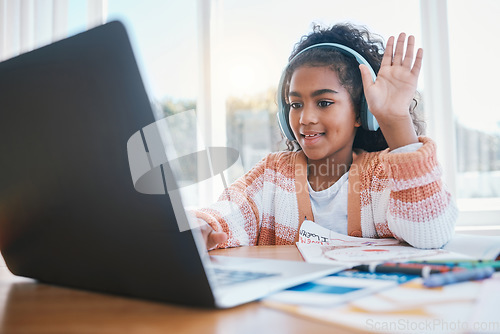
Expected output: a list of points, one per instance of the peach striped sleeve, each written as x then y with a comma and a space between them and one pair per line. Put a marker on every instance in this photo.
420, 210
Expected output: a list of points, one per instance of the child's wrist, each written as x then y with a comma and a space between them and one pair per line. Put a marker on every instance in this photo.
394, 115
398, 131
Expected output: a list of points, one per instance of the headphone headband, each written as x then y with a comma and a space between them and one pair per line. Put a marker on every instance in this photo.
368, 121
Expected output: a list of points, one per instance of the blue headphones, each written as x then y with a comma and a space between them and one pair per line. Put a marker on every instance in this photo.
368, 121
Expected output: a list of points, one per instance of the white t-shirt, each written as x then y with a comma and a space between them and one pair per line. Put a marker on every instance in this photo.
329, 206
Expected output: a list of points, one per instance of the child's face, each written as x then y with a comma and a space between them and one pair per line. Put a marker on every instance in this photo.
322, 115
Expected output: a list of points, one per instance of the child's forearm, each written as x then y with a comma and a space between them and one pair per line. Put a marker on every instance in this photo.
398, 132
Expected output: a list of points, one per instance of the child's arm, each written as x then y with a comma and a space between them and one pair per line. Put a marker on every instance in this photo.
390, 96
234, 219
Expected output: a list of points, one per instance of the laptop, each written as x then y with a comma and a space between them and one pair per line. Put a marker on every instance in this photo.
69, 212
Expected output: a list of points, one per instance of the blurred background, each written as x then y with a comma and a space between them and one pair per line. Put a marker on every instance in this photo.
223, 59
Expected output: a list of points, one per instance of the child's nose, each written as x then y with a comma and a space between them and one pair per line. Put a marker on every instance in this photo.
308, 115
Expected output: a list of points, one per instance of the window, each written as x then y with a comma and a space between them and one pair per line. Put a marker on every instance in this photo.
473, 91
472, 31
164, 36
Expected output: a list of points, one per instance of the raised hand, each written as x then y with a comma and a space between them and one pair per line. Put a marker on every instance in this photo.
390, 96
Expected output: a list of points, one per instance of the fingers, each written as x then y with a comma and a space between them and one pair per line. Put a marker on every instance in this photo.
398, 57
418, 62
409, 52
387, 58
216, 238
400, 46
211, 237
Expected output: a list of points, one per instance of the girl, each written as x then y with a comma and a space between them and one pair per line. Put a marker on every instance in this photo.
365, 183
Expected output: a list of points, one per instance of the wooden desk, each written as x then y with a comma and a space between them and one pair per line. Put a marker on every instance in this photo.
30, 307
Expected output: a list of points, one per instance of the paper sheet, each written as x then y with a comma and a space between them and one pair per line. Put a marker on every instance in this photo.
320, 245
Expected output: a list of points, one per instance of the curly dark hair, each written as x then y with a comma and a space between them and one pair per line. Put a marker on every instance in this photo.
371, 47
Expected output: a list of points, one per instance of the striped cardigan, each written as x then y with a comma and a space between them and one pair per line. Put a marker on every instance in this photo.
397, 195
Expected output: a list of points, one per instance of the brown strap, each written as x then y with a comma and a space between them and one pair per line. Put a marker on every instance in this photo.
354, 197
303, 200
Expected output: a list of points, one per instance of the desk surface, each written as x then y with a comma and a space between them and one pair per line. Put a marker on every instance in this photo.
30, 307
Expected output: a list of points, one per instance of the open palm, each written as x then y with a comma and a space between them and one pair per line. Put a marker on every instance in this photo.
390, 96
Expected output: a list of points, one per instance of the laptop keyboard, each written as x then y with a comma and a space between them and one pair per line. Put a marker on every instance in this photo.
227, 276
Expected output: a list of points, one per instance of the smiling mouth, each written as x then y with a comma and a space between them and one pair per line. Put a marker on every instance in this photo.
311, 139
313, 135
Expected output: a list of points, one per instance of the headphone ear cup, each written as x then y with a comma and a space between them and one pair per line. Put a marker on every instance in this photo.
284, 123
283, 110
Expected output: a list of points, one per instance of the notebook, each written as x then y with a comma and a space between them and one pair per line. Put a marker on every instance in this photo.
69, 212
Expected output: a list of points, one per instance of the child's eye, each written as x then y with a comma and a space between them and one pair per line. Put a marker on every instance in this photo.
295, 105
324, 104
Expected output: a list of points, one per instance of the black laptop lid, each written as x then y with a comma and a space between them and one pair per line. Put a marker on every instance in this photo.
69, 213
